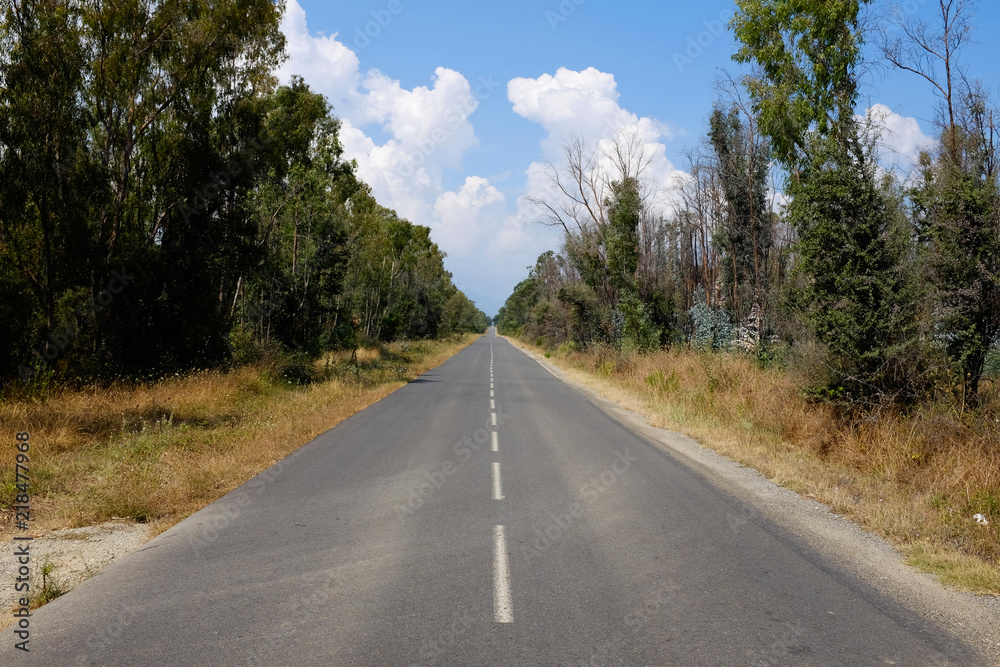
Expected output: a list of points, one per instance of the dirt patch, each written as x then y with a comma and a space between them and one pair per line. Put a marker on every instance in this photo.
74, 554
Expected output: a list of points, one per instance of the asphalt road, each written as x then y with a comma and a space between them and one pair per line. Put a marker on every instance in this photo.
485, 514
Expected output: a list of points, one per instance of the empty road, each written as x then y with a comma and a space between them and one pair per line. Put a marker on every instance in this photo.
485, 514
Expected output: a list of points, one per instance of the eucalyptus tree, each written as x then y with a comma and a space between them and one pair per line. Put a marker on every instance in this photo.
744, 236
44, 183
852, 244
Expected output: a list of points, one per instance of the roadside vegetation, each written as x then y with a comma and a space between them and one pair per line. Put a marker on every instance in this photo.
158, 451
166, 206
794, 299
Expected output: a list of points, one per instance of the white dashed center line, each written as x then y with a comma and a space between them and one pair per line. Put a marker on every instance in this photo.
503, 608
497, 486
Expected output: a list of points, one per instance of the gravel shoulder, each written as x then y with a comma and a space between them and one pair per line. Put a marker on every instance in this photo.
76, 554
973, 619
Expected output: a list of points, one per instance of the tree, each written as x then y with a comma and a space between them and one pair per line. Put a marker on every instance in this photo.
744, 237
852, 250
584, 190
805, 53
44, 189
921, 50
621, 236
958, 203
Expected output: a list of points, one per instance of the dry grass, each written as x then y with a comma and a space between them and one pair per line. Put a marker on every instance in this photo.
157, 453
917, 479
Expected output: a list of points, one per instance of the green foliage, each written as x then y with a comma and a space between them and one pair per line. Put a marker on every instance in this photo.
711, 328
860, 292
50, 588
991, 369
583, 312
958, 205
515, 312
806, 52
150, 140
638, 332
664, 384
621, 238
744, 235
858, 288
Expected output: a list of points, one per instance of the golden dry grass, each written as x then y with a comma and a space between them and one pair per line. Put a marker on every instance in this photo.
917, 479
157, 453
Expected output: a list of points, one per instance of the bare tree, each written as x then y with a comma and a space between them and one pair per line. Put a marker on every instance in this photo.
925, 50
581, 195
580, 185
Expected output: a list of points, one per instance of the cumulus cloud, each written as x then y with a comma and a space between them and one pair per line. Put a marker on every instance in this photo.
899, 137
586, 104
428, 129
463, 215
321, 60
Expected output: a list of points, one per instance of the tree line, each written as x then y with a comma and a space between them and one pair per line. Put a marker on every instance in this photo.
165, 205
890, 282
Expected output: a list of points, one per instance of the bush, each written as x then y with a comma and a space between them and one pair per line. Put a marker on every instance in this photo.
710, 326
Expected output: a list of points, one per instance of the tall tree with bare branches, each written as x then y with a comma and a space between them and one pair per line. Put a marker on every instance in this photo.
931, 52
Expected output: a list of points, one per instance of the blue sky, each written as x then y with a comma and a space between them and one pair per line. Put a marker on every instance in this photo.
451, 107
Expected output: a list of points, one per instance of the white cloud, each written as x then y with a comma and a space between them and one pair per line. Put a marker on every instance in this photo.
586, 104
429, 132
321, 60
900, 137
431, 124
582, 103
461, 216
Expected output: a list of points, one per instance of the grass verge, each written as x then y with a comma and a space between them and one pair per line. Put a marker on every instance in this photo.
157, 453
918, 479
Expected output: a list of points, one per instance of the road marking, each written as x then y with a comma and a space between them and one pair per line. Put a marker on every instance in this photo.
497, 486
493, 405
503, 608
493, 418
496, 445
491, 392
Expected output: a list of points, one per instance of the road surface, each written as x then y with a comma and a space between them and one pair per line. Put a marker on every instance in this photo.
485, 514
